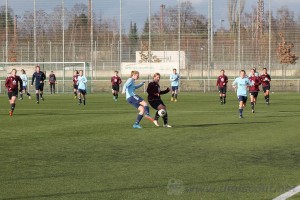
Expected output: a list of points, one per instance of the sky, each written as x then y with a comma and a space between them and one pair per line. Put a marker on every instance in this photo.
137, 10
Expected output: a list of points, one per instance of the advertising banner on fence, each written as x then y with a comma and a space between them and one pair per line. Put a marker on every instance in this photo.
149, 68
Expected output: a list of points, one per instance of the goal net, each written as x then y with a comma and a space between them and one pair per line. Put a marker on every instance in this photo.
63, 71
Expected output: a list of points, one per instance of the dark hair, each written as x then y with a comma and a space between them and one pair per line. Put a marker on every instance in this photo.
243, 71
222, 70
156, 74
23, 71
116, 71
265, 68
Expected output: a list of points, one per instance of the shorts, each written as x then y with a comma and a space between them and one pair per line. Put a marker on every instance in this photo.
39, 87
255, 94
174, 88
242, 98
155, 103
266, 88
222, 90
135, 101
81, 91
75, 86
24, 87
115, 87
13, 93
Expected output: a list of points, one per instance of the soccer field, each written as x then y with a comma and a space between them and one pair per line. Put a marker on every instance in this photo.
60, 150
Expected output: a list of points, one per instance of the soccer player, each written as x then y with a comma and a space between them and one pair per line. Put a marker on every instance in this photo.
135, 100
241, 84
254, 89
155, 101
174, 78
255, 72
11, 84
39, 78
24, 87
222, 85
265, 79
115, 82
52, 82
75, 86
81, 81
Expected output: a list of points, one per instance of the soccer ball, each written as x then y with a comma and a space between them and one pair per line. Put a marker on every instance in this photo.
162, 112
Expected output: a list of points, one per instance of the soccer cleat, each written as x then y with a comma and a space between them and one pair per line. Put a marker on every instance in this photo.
29, 97
156, 123
84, 102
172, 99
221, 102
21, 99
136, 126
11, 113
267, 103
75, 97
149, 118
42, 98
175, 100
253, 111
37, 102
167, 126
241, 116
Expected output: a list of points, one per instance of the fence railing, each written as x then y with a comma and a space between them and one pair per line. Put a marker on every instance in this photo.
186, 85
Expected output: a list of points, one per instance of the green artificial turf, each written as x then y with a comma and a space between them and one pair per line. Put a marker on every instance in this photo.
60, 150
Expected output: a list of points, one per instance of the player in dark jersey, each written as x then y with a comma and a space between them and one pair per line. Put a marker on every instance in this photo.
155, 101
11, 84
75, 86
39, 78
222, 86
254, 88
115, 82
52, 82
265, 82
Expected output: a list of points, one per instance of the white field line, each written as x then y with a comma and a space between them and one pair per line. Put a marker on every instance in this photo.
288, 194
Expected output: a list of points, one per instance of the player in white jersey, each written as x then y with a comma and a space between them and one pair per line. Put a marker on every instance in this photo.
24, 79
81, 82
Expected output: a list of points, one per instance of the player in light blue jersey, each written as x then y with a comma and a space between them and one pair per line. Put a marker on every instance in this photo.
136, 101
25, 83
241, 85
174, 78
81, 82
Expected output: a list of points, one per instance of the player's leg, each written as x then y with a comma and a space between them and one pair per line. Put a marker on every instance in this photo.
83, 97
37, 94
27, 93
75, 90
41, 88
50, 88
139, 117
173, 93
176, 94
21, 94
117, 93
165, 117
146, 109
241, 106
53, 85
79, 97
220, 95
252, 100
224, 94
268, 96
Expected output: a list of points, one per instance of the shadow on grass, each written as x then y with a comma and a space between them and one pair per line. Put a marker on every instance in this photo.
221, 124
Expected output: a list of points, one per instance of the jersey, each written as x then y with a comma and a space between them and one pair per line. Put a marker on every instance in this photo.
153, 89
24, 80
81, 82
242, 84
52, 78
222, 81
75, 77
265, 80
38, 77
116, 80
130, 87
12, 82
255, 83
174, 78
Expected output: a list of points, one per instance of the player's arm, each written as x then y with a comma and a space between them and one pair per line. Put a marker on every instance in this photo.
120, 81
32, 80
234, 84
111, 80
165, 91
217, 83
139, 85
21, 84
127, 84
150, 89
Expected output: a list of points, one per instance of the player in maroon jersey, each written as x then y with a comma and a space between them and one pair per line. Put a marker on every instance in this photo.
222, 86
11, 84
254, 88
265, 82
155, 101
115, 82
75, 86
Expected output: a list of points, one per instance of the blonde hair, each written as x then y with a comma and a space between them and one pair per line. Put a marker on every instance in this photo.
134, 73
